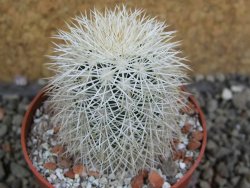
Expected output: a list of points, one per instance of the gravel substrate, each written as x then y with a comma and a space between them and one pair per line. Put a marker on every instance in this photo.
225, 101
47, 156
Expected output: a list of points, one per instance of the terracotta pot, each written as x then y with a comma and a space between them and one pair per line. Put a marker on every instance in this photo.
40, 97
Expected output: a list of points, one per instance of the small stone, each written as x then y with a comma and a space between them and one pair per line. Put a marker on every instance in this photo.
220, 181
7, 147
2, 171
50, 165
111, 176
91, 179
137, 181
2, 185
193, 144
237, 88
56, 129
20, 80
210, 78
89, 185
2, 112
208, 174
155, 180
197, 135
182, 165
64, 163
244, 183
103, 181
178, 155
222, 169
50, 132
179, 175
227, 94
166, 185
235, 180
58, 149
188, 161
181, 146
78, 169
70, 174
199, 77
53, 177
16, 183
222, 152
3, 130
186, 128
93, 173
18, 170
59, 173
204, 184
17, 120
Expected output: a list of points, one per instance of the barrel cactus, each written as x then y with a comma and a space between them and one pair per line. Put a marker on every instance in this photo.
116, 90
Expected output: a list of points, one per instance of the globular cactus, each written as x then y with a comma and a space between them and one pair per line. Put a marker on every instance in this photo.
116, 92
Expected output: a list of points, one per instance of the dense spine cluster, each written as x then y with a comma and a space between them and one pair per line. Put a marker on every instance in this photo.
116, 92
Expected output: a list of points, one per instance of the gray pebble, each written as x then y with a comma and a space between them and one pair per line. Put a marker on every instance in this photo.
2, 185
17, 120
204, 184
16, 183
208, 174
18, 170
2, 171
240, 99
220, 181
3, 129
244, 183
222, 169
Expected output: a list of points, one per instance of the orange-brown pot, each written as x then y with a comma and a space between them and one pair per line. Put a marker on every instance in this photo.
41, 96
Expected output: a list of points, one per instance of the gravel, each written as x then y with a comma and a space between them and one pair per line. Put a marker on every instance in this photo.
225, 100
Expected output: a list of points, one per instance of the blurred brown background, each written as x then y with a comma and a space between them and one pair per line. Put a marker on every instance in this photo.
215, 34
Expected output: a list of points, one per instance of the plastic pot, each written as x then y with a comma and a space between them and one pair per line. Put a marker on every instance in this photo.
40, 97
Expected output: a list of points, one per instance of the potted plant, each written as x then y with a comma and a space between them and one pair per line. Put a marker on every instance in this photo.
115, 113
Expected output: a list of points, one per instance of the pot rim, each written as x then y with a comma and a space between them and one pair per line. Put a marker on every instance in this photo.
42, 180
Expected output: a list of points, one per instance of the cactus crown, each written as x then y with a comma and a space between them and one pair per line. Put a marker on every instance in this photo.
116, 91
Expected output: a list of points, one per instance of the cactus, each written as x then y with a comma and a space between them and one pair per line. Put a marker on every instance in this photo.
116, 92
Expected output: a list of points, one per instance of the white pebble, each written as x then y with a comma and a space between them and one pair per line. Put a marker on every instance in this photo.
189, 154
237, 88
182, 165
181, 146
127, 181
91, 179
179, 175
103, 180
53, 177
226, 94
46, 154
59, 173
200, 129
185, 140
50, 132
89, 185
37, 120
111, 176
45, 146
166, 185
95, 182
